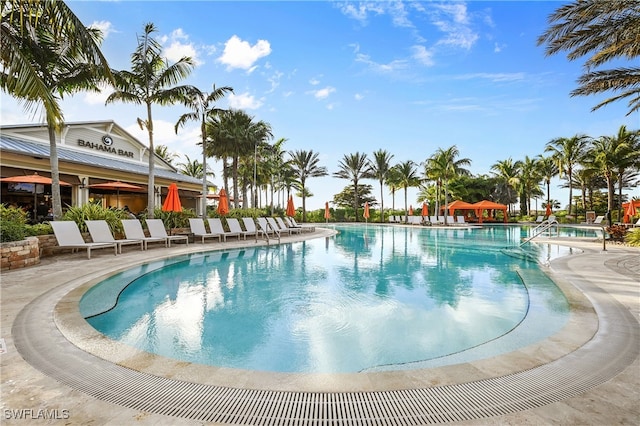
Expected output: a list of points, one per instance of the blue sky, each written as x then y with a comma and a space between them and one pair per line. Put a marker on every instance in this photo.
341, 77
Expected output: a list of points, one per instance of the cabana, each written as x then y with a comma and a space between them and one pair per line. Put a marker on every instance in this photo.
480, 206
630, 209
458, 205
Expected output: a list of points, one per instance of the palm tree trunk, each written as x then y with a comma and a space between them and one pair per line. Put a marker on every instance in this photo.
55, 175
355, 198
406, 212
151, 191
235, 181
381, 203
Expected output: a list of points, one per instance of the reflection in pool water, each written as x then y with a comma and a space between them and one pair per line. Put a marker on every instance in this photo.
370, 298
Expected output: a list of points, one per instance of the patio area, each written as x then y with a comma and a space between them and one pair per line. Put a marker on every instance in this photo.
589, 373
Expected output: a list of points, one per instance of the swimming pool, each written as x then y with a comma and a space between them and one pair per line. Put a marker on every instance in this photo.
371, 298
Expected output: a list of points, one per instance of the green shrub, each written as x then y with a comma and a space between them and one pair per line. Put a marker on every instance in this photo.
633, 237
39, 229
96, 212
13, 222
173, 219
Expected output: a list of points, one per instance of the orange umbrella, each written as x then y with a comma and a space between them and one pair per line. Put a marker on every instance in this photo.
223, 203
34, 178
291, 211
327, 214
366, 211
630, 211
410, 210
117, 185
425, 210
548, 212
172, 202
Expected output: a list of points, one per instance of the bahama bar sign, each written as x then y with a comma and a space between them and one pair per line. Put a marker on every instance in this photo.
106, 146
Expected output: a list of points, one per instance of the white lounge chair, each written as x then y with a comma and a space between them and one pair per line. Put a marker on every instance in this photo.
101, 233
294, 224
234, 226
434, 220
637, 224
215, 225
290, 229
540, 219
250, 226
157, 230
461, 221
133, 231
199, 230
264, 226
598, 220
68, 236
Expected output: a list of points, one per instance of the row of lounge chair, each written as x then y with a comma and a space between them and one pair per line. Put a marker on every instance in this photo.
68, 233
429, 220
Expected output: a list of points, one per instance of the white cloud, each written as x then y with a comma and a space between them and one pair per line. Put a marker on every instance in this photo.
98, 98
494, 77
497, 47
358, 96
104, 26
361, 11
423, 55
244, 101
314, 82
381, 68
176, 46
453, 20
185, 142
322, 93
240, 54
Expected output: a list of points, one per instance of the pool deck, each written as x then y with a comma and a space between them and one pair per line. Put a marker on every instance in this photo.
606, 279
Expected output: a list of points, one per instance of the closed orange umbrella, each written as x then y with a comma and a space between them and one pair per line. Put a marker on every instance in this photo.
366, 211
223, 203
327, 214
172, 202
425, 210
548, 212
291, 211
410, 210
630, 211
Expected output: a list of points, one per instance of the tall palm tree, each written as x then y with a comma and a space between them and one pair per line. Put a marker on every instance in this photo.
162, 151
354, 167
609, 30
305, 164
445, 165
628, 160
407, 174
151, 81
529, 180
46, 53
508, 172
193, 168
547, 168
203, 108
568, 152
380, 166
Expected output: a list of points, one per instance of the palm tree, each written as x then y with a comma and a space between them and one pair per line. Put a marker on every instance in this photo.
547, 168
151, 81
354, 167
194, 168
508, 172
529, 180
407, 174
305, 165
203, 109
611, 156
607, 29
568, 152
46, 53
380, 170
445, 165
162, 151
628, 160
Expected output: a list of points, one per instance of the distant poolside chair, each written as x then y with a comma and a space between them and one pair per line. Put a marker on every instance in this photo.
215, 225
461, 221
434, 220
199, 230
101, 233
250, 226
598, 220
294, 224
133, 231
264, 226
234, 226
157, 230
637, 224
540, 219
290, 229
68, 236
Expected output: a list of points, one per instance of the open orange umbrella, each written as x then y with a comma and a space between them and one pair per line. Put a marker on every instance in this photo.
172, 202
630, 211
117, 185
291, 211
425, 210
366, 212
34, 178
223, 203
327, 214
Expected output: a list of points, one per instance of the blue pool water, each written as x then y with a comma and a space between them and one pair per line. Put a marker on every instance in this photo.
371, 298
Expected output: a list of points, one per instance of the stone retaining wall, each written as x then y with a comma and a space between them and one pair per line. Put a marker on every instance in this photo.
20, 254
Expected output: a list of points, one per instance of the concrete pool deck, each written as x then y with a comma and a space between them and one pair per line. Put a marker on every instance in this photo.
607, 278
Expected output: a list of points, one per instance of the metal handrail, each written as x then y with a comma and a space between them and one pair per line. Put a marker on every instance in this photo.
543, 227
